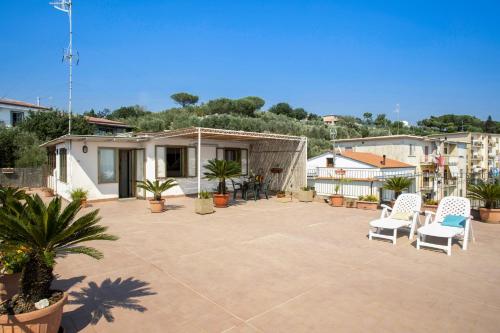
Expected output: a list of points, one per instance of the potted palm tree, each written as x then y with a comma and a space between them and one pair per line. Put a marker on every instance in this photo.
221, 170
337, 199
430, 205
45, 232
204, 204
80, 195
489, 195
157, 204
8, 193
397, 184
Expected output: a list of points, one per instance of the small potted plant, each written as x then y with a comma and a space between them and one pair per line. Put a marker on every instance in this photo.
12, 262
222, 170
489, 195
337, 200
204, 204
48, 192
280, 194
350, 203
157, 204
45, 232
305, 194
80, 195
368, 202
430, 205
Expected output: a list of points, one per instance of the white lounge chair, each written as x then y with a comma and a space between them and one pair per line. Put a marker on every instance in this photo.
404, 214
451, 205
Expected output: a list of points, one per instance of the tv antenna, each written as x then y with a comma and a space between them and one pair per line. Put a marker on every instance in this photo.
333, 136
397, 110
66, 6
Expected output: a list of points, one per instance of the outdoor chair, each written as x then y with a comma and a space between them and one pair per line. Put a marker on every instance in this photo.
404, 214
444, 224
253, 188
237, 187
264, 188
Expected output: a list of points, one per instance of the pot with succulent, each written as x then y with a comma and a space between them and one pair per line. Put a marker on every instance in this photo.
397, 184
204, 204
222, 170
157, 204
80, 195
12, 262
489, 195
280, 194
44, 232
47, 192
306, 194
430, 205
368, 202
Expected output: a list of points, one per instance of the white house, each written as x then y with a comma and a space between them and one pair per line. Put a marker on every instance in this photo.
357, 173
108, 167
13, 112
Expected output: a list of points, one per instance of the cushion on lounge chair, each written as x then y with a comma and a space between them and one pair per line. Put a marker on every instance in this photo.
456, 221
401, 216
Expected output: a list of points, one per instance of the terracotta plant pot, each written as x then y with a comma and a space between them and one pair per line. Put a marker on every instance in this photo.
221, 200
337, 200
45, 320
305, 196
9, 285
203, 206
367, 205
280, 194
157, 206
48, 193
83, 203
430, 208
489, 215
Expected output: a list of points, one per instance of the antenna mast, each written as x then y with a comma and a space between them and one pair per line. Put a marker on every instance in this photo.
397, 111
333, 135
66, 6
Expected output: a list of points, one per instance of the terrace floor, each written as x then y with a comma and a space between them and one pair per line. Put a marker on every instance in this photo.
267, 266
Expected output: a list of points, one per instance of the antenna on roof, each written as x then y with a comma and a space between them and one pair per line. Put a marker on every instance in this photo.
333, 135
66, 6
397, 110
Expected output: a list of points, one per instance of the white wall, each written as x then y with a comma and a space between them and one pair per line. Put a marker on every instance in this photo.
83, 171
340, 162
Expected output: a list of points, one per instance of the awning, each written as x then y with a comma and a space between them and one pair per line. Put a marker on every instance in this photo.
454, 171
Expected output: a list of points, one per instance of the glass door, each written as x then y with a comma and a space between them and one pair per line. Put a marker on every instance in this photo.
139, 172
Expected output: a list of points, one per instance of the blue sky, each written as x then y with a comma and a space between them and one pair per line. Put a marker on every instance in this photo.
341, 57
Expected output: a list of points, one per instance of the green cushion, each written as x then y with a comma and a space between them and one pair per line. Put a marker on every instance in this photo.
402, 216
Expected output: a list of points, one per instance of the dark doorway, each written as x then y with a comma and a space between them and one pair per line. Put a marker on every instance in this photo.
126, 173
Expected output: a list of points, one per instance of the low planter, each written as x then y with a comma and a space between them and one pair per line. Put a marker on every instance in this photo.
281, 194
305, 196
157, 206
489, 215
47, 320
337, 200
221, 200
430, 208
48, 192
367, 205
203, 206
9, 285
350, 203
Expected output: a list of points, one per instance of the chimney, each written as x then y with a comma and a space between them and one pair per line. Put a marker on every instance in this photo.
383, 160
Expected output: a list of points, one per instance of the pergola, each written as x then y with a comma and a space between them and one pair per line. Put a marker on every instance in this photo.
199, 133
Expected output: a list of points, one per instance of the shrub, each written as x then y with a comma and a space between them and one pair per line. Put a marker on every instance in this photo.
79, 194
369, 197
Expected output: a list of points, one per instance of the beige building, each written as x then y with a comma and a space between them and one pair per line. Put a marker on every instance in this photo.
483, 150
440, 165
330, 119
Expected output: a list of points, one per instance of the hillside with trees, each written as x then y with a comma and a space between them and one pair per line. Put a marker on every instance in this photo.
246, 113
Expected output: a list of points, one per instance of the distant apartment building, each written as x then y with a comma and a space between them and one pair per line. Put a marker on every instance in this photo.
330, 119
13, 112
483, 150
441, 165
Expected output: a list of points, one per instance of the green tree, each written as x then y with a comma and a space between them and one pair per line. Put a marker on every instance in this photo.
368, 116
126, 112
184, 99
381, 120
489, 125
49, 125
20, 149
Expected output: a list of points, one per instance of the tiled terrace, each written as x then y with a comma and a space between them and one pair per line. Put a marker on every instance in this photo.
275, 267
